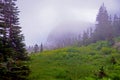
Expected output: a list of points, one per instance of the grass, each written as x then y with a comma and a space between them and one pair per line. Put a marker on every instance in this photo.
76, 63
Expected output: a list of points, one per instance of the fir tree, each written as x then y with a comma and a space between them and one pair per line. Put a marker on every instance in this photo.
41, 47
15, 38
85, 38
12, 50
36, 48
103, 27
116, 26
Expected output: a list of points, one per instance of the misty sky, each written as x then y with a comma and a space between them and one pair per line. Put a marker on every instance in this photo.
39, 17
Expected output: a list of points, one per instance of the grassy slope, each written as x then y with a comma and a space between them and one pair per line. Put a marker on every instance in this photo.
76, 63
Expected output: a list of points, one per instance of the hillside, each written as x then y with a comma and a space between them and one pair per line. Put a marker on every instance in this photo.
97, 61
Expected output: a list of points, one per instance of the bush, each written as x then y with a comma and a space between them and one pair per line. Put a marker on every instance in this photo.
106, 50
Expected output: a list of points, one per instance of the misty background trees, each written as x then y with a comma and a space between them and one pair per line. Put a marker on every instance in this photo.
106, 27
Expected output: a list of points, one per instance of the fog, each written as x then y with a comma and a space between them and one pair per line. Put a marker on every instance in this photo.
41, 18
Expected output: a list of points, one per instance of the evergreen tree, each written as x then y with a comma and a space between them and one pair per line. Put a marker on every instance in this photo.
103, 27
116, 26
36, 48
3, 32
79, 40
41, 47
12, 50
15, 38
85, 38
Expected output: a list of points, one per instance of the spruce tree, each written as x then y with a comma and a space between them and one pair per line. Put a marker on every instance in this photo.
116, 26
36, 48
4, 49
103, 27
41, 47
1, 32
12, 48
85, 38
15, 38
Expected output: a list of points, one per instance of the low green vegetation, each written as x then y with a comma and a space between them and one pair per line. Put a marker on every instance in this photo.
98, 61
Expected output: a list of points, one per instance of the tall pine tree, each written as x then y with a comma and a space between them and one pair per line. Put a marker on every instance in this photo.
103, 29
15, 38
12, 48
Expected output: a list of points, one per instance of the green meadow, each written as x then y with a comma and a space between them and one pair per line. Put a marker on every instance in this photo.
97, 61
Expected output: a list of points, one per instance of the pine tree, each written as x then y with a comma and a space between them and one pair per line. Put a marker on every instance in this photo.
15, 38
3, 33
85, 38
116, 26
12, 50
103, 27
36, 48
41, 47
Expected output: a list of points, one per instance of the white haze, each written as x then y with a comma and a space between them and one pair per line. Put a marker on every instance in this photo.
39, 18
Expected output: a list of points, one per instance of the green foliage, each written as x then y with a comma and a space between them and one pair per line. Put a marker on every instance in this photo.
14, 70
76, 63
99, 44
